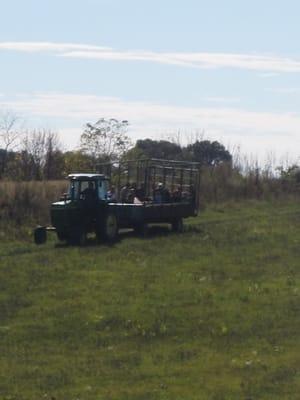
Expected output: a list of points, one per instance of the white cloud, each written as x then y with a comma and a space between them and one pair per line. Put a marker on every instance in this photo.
39, 47
257, 132
267, 64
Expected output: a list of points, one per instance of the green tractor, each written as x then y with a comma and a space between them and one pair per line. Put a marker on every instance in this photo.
84, 209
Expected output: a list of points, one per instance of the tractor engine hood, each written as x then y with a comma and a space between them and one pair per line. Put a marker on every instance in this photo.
62, 213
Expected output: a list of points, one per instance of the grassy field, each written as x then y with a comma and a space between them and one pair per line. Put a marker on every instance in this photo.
213, 313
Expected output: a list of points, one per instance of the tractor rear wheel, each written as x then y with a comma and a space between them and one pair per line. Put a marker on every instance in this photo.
109, 229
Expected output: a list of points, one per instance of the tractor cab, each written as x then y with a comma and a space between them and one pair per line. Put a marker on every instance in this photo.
87, 187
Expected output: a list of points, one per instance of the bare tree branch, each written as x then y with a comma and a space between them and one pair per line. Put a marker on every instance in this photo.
10, 131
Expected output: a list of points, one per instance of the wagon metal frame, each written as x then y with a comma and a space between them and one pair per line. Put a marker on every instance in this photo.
170, 173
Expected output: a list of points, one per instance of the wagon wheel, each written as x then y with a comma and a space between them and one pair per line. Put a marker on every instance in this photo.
177, 225
142, 229
109, 230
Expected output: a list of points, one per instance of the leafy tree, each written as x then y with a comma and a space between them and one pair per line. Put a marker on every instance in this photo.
106, 140
291, 174
159, 149
207, 153
134, 154
76, 161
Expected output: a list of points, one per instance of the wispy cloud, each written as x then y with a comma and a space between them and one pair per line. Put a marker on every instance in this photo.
268, 74
223, 100
264, 63
40, 47
256, 131
197, 60
283, 90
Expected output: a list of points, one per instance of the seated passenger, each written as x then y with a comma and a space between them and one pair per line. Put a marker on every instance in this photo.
131, 195
112, 195
136, 200
158, 194
165, 195
192, 195
141, 192
124, 193
176, 195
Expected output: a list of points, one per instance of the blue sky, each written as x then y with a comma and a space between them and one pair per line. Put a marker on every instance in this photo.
228, 69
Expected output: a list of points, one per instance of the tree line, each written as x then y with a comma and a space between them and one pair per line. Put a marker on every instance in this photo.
38, 154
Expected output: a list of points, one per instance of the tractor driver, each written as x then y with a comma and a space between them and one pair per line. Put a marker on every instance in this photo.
89, 193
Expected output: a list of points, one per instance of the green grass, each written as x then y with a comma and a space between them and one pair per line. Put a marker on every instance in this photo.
213, 313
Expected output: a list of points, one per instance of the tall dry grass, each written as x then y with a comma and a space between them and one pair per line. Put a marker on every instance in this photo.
224, 183
28, 202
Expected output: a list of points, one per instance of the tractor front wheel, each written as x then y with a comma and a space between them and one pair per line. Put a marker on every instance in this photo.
77, 237
61, 236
